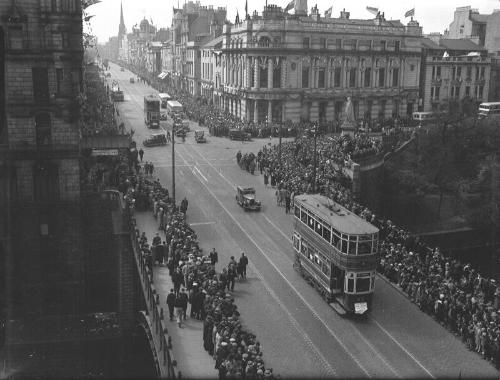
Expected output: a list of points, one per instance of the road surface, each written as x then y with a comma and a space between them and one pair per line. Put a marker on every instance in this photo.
301, 335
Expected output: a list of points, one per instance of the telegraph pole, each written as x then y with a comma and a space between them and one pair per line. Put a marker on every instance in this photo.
314, 163
173, 163
494, 211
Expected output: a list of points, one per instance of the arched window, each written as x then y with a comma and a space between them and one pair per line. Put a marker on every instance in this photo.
264, 41
43, 129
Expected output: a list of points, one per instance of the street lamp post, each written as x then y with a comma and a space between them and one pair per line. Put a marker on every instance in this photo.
314, 160
173, 163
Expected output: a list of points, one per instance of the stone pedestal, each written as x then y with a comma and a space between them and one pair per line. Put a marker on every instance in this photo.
348, 128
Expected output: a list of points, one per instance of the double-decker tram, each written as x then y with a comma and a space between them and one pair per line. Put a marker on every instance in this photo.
336, 251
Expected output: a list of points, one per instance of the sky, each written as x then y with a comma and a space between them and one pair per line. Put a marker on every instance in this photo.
433, 15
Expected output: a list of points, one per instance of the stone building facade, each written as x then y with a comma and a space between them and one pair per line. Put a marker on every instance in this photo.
278, 67
192, 26
453, 72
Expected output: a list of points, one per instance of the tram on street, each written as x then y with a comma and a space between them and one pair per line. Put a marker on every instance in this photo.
336, 251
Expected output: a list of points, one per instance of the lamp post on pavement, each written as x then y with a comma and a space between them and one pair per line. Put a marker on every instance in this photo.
315, 131
173, 163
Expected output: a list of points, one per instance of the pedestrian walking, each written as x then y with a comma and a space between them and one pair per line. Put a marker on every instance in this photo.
171, 304
214, 257
184, 302
141, 154
287, 201
178, 310
243, 265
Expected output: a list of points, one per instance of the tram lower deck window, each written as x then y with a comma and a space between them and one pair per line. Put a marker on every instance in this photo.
350, 285
362, 284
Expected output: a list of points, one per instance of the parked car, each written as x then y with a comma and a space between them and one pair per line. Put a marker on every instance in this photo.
132, 80
156, 139
245, 196
199, 136
237, 134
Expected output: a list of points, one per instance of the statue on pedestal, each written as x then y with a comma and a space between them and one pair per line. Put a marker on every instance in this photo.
349, 125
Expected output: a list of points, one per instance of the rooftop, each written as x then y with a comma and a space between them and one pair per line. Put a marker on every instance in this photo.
337, 216
461, 44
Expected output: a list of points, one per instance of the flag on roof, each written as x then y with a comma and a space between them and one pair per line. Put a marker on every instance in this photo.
446, 55
410, 13
289, 6
372, 10
328, 12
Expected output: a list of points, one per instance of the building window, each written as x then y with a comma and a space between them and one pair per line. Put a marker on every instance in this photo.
383, 45
459, 72
352, 77
397, 46
438, 72
467, 90
263, 77
322, 43
305, 42
46, 182
322, 111
368, 112
469, 73
383, 104
337, 77
321, 78
368, 76
42, 128
453, 72
395, 77
40, 83
59, 80
381, 77
305, 77
53, 5
277, 77
482, 73
8, 185
480, 92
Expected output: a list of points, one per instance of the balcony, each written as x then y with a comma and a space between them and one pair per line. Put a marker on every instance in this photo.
436, 81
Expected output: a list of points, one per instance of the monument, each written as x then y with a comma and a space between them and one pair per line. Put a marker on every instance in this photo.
349, 125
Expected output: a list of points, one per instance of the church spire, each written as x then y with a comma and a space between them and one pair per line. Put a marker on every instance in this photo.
121, 28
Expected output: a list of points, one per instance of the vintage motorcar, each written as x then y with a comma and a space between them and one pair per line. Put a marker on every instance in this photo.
132, 80
185, 125
199, 136
245, 197
237, 134
117, 95
179, 132
156, 139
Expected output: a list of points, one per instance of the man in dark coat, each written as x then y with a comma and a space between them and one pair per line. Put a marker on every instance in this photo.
184, 299
243, 265
171, 304
214, 257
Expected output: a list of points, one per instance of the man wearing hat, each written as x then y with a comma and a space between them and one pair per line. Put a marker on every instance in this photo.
214, 257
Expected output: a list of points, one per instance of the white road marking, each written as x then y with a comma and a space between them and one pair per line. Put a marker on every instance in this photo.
404, 349
201, 223
199, 172
287, 281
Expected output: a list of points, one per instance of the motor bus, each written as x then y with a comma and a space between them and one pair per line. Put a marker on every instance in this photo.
489, 110
336, 251
174, 108
422, 118
164, 98
152, 111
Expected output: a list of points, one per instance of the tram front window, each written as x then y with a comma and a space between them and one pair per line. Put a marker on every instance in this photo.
350, 285
362, 285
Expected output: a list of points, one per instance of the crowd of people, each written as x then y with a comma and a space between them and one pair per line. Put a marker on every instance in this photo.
454, 293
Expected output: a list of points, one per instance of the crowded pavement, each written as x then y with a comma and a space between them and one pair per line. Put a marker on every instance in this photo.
299, 334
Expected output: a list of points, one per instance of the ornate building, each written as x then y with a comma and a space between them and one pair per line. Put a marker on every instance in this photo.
278, 67
454, 71
122, 37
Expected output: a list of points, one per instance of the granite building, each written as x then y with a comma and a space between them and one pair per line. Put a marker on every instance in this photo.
278, 67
